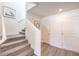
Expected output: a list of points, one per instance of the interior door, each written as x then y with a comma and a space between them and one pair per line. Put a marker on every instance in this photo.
55, 31
70, 34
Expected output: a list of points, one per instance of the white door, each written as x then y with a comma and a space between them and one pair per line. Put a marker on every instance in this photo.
55, 31
70, 34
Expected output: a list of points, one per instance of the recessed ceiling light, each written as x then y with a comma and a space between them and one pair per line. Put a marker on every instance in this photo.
60, 10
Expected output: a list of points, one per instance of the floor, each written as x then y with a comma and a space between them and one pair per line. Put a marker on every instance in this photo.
48, 50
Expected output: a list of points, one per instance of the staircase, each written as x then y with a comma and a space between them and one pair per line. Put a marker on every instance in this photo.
16, 45
22, 31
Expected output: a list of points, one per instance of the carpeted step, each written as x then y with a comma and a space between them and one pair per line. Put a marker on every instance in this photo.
14, 44
27, 52
14, 38
24, 49
23, 30
5, 53
22, 33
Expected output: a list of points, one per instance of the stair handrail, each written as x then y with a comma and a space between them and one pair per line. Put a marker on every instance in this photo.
3, 30
21, 20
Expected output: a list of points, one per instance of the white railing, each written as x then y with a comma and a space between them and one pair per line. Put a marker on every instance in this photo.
3, 30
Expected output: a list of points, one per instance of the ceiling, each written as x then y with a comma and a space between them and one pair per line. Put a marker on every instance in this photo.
47, 8
30, 5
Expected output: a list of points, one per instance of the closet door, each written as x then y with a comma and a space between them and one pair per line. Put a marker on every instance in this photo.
55, 31
70, 34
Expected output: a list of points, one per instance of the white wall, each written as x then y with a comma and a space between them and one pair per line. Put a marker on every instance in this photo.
12, 25
64, 29
33, 35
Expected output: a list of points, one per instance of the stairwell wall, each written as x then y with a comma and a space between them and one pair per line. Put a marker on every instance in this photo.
12, 25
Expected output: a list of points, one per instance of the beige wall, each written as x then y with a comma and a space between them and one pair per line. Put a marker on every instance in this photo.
44, 33
34, 19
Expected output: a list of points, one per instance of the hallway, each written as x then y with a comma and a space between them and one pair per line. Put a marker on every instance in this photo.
48, 50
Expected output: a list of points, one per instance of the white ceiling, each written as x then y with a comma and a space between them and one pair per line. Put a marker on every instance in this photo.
48, 8
30, 5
